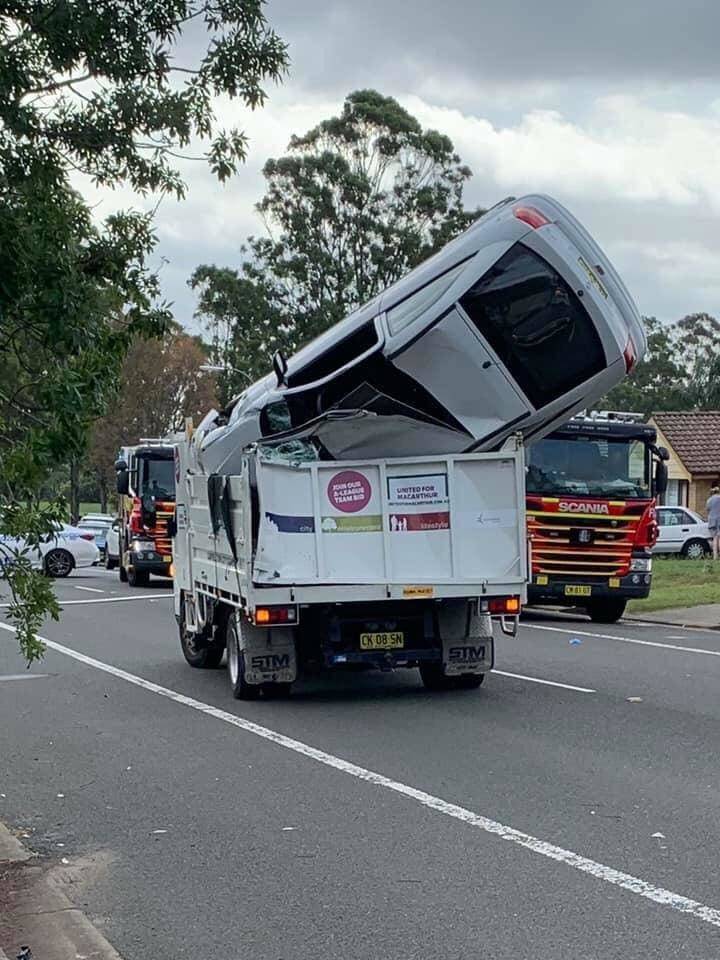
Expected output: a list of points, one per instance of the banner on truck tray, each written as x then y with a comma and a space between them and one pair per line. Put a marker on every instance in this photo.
418, 491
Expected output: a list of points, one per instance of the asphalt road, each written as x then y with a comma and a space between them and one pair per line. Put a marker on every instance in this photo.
366, 818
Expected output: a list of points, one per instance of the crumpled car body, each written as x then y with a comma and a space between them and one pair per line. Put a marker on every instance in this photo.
514, 326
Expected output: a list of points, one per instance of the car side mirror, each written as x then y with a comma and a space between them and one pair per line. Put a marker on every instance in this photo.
123, 482
120, 465
663, 453
661, 478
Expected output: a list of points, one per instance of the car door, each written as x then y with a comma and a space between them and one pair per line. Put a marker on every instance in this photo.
670, 523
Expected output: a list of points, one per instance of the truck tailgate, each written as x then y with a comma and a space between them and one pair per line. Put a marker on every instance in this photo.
427, 520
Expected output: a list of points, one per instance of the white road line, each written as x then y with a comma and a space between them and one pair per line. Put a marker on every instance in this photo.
609, 636
143, 596
600, 871
549, 683
22, 676
89, 589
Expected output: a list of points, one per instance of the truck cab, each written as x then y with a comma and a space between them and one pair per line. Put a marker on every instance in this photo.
146, 488
591, 488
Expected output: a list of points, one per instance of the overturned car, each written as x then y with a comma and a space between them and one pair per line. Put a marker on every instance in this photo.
511, 328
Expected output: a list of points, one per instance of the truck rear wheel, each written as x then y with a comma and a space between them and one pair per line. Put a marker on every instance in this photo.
606, 611
433, 678
200, 651
241, 689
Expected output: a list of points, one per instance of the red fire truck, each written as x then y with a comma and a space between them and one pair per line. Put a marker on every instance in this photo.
146, 484
591, 489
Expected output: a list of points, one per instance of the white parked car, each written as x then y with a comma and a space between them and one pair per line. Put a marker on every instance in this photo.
682, 531
71, 547
99, 524
112, 545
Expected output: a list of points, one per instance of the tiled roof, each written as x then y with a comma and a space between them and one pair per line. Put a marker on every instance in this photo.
695, 437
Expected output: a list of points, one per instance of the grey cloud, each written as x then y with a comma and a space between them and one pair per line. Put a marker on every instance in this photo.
380, 42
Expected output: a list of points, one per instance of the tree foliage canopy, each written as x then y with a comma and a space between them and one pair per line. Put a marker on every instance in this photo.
110, 90
681, 370
355, 203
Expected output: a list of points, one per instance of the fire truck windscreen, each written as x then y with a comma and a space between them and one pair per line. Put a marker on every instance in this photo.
594, 467
157, 478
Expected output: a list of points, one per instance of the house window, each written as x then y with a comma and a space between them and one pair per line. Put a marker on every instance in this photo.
677, 493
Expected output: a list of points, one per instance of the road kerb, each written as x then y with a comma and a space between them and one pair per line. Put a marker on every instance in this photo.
11, 850
42, 917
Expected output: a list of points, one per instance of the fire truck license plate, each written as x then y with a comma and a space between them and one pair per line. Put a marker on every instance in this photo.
575, 590
382, 641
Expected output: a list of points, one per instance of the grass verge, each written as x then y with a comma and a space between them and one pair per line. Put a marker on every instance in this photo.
680, 583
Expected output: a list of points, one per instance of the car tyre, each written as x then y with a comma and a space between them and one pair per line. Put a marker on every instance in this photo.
241, 690
58, 563
696, 549
110, 562
122, 572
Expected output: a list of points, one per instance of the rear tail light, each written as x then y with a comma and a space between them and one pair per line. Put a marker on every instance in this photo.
504, 605
87, 536
267, 616
532, 216
630, 355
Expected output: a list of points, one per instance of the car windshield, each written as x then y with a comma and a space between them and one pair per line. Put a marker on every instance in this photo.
157, 478
585, 466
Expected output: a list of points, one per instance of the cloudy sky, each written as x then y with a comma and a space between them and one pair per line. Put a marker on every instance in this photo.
614, 108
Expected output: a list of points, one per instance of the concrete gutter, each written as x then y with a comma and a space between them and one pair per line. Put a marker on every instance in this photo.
36, 913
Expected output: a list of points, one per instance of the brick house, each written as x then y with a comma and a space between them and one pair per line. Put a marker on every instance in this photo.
692, 438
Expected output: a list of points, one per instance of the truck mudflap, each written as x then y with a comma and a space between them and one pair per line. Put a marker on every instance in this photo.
467, 639
269, 654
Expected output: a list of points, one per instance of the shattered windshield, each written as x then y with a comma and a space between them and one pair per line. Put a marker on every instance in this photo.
588, 466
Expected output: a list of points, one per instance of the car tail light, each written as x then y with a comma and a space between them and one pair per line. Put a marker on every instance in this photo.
87, 536
630, 354
267, 616
504, 605
532, 216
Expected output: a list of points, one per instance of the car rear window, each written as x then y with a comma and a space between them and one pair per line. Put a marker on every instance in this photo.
536, 325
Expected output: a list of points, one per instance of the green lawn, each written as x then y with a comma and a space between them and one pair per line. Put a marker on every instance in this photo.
680, 583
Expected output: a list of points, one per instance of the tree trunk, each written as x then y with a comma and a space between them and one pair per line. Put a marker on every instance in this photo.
74, 491
103, 494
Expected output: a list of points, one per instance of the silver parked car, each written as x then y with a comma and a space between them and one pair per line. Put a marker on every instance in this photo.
682, 531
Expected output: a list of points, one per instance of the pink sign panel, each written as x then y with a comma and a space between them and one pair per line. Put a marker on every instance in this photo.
349, 491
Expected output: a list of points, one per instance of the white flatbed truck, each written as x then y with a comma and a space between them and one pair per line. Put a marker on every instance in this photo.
387, 563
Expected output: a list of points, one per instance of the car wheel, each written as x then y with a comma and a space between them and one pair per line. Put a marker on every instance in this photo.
122, 573
58, 563
110, 562
696, 549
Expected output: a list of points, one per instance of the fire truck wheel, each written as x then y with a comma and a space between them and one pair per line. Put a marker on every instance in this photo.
606, 611
138, 578
241, 690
